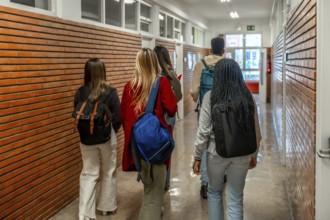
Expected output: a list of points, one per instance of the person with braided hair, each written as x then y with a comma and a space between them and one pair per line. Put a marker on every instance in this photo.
228, 107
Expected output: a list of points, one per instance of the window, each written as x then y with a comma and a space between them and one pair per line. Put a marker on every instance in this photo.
183, 31
91, 9
177, 29
169, 30
130, 15
162, 24
234, 40
42, 4
245, 49
253, 40
113, 12
197, 36
145, 18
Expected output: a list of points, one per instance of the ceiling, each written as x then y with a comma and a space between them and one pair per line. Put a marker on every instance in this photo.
213, 9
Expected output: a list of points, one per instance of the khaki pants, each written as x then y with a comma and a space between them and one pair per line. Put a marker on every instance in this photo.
153, 178
91, 156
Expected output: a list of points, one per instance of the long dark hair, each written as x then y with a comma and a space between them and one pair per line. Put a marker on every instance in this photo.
229, 89
164, 60
95, 78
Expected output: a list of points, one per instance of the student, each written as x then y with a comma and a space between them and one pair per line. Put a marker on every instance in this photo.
168, 71
229, 90
95, 88
217, 45
134, 100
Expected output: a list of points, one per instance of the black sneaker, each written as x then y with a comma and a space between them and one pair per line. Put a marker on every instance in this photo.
204, 191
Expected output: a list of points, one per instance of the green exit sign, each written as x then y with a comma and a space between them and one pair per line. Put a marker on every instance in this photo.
250, 27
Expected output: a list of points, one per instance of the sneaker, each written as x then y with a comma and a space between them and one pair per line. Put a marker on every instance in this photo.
104, 213
204, 191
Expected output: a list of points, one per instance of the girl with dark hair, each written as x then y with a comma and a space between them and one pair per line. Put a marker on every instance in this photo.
134, 100
96, 89
229, 89
168, 71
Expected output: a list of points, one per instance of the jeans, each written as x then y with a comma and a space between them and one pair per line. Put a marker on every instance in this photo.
236, 169
204, 175
91, 156
153, 178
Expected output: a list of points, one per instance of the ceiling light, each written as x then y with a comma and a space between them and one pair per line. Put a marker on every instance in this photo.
233, 14
222, 1
128, 2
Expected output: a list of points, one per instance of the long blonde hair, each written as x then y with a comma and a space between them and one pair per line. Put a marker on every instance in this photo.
95, 78
147, 69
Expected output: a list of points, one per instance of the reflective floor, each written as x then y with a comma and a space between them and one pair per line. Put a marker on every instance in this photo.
264, 199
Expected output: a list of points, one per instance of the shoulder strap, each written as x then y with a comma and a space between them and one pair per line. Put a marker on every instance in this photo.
153, 96
204, 63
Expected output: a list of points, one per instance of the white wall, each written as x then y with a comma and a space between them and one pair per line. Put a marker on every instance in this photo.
229, 27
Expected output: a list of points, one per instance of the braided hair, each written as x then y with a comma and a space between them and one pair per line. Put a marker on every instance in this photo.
230, 90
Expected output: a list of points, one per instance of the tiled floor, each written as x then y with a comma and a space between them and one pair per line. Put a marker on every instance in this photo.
265, 197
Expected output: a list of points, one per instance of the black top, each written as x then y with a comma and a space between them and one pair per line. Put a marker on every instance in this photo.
111, 98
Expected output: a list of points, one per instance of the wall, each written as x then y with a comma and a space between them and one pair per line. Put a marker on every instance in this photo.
299, 105
277, 91
229, 27
42, 60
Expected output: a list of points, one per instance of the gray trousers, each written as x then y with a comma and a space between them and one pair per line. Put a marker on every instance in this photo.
153, 178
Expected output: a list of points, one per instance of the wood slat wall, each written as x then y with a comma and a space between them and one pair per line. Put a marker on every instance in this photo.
300, 83
169, 44
41, 66
277, 86
189, 104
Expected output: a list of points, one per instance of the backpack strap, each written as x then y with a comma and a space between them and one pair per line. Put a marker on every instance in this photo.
91, 124
153, 96
205, 65
79, 114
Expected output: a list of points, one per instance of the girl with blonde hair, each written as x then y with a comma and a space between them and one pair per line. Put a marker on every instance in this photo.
134, 100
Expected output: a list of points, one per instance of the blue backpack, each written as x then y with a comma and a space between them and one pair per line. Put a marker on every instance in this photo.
150, 141
206, 80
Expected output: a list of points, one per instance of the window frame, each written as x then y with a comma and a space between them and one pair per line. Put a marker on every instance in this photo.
51, 12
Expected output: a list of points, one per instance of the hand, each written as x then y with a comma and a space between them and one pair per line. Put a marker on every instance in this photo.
197, 167
253, 162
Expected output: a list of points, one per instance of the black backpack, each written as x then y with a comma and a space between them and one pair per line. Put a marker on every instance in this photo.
229, 142
176, 86
93, 119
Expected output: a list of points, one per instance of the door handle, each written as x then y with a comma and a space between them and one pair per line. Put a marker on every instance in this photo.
324, 153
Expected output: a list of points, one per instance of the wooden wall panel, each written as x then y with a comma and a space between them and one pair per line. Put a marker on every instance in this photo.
301, 108
191, 55
41, 66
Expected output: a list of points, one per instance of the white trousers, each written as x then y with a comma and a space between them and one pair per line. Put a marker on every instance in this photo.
93, 156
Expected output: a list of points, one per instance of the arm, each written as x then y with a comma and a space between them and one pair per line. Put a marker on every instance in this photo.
124, 104
168, 97
114, 106
194, 91
253, 162
203, 132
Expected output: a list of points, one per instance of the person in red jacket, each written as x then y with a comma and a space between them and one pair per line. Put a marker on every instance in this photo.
134, 100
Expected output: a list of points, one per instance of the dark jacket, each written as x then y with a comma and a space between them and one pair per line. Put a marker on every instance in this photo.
111, 99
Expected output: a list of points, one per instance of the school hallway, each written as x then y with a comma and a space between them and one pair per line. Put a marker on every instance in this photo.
264, 199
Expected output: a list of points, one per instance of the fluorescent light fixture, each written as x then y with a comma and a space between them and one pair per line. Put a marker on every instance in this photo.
129, 1
223, 1
161, 17
233, 14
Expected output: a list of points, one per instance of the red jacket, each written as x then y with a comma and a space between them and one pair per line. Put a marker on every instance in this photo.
165, 102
